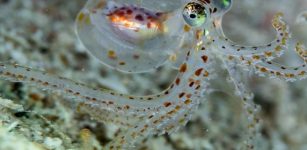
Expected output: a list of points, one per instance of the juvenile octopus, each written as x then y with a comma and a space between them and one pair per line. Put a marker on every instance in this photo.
138, 36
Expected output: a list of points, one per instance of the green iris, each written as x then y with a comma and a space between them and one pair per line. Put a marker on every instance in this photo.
226, 2
194, 14
222, 5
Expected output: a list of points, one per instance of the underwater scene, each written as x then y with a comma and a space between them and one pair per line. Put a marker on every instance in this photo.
153, 75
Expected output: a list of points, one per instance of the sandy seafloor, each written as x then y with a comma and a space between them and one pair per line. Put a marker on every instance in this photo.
40, 34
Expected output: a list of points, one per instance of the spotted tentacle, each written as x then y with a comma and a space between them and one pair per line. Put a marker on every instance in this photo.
251, 110
269, 51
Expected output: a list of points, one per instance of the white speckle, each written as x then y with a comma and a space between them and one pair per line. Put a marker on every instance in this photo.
301, 18
53, 143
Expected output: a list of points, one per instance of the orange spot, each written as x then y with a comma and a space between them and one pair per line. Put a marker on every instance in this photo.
204, 58
127, 107
167, 104
156, 121
290, 75
148, 25
35, 96
256, 57
170, 112
199, 34
20, 77
183, 68
181, 95
186, 28
206, 74
198, 71
191, 84
111, 54
263, 70
188, 101
142, 130
230, 57
302, 73
121, 63
268, 54
177, 81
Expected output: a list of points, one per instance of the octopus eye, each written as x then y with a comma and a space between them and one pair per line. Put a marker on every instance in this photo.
194, 14
131, 36
222, 5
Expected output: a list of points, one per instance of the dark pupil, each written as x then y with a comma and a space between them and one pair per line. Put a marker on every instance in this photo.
192, 16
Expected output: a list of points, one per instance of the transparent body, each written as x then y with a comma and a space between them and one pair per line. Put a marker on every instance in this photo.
132, 36
203, 45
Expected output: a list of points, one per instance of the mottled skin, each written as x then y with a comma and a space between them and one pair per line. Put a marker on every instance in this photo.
144, 116
135, 24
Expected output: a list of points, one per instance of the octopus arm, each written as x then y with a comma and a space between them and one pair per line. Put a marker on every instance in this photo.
267, 67
273, 69
104, 99
271, 50
301, 50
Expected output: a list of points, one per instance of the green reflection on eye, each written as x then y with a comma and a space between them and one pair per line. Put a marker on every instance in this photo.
194, 14
223, 5
226, 2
